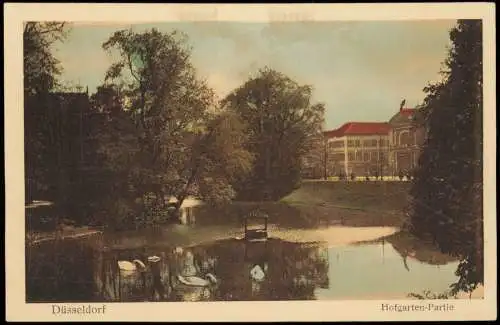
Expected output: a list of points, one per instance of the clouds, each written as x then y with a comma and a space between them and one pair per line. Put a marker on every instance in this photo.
360, 70
223, 84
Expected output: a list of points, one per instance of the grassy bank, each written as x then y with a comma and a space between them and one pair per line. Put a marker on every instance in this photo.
298, 215
375, 196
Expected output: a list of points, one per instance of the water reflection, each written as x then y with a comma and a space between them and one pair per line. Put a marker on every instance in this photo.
188, 215
311, 255
62, 272
232, 269
204, 224
379, 271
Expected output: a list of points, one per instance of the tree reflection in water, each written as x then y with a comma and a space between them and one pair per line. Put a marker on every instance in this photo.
290, 271
61, 272
409, 246
72, 271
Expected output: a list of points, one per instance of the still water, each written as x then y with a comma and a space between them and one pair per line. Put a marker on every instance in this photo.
305, 261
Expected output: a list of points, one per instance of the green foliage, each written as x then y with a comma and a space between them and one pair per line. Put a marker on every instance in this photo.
162, 133
41, 70
447, 191
41, 67
221, 158
280, 119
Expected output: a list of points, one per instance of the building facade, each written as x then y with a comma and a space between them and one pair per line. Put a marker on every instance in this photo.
359, 148
368, 148
406, 140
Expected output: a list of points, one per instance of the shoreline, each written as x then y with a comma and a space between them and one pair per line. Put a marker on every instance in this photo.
33, 238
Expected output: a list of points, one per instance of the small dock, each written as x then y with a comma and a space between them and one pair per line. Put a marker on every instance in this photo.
259, 232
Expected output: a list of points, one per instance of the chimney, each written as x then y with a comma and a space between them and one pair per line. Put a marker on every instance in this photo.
403, 102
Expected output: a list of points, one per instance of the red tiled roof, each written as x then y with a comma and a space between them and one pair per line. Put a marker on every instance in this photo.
360, 128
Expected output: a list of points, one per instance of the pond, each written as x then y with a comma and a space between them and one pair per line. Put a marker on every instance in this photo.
305, 258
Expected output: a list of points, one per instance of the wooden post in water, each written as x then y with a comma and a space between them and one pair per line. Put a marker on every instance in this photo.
119, 284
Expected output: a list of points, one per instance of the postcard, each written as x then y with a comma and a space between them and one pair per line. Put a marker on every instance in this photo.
253, 162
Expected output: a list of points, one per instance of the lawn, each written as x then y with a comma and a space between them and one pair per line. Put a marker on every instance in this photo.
378, 196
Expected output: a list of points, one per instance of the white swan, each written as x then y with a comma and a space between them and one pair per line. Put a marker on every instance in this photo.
194, 281
154, 259
140, 265
131, 266
257, 273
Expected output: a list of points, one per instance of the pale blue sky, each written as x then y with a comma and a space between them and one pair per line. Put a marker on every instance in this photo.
360, 70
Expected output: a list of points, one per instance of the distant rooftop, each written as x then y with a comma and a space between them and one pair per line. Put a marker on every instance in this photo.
403, 117
360, 128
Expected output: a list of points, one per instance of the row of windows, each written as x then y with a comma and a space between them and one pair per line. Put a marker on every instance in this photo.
357, 143
404, 139
366, 156
373, 156
368, 143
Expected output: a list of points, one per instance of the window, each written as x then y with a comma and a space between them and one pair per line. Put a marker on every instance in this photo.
405, 139
358, 143
358, 156
366, 156
350, 155
350, 143
338, 157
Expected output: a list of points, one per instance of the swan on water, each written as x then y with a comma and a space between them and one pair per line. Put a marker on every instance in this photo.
194, 281
189, 274
131, 266
257, 273
154, 259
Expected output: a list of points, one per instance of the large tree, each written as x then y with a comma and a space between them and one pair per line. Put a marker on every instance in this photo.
41, 70
280, 119
447, 191
177, 143
41, 67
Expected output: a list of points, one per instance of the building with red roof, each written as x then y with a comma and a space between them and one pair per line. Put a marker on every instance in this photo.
359, 128
372, 148
359, 148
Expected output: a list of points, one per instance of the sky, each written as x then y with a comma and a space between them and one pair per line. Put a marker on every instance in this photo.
360, 70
